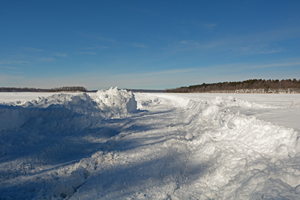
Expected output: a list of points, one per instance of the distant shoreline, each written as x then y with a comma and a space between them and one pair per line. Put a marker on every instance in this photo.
285, 86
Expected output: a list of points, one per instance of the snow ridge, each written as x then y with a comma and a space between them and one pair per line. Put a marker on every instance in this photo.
66, 110
247, 156
43, 130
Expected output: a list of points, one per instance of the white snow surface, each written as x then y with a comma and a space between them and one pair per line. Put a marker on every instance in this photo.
117, 145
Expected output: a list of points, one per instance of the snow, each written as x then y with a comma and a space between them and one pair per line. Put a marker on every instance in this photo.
115, 101
114, 144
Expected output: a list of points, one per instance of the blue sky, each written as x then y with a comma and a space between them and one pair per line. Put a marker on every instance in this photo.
147, 44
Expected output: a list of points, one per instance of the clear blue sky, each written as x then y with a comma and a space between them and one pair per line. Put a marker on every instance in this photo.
147, 44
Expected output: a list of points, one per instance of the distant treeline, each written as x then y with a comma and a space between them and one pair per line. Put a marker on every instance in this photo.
145, 91
259, 85
59, 89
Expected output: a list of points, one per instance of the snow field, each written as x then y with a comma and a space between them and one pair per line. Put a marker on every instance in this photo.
116, 145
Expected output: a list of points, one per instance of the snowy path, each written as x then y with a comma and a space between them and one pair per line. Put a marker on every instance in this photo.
173, 147
149, 161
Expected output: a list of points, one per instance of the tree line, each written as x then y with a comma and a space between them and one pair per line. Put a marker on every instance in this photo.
266, 86
58, 89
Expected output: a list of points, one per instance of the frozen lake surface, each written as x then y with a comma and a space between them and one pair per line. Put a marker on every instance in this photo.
117, 145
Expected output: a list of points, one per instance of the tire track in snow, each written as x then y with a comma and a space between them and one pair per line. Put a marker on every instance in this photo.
168, 154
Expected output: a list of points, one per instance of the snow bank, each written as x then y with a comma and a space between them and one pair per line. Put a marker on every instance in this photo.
66, 111
247, 156
58, 112
54, 129
11, 117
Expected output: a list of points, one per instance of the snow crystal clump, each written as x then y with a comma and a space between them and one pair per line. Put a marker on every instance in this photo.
115, 101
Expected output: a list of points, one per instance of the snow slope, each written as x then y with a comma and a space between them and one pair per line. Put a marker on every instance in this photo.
116, 145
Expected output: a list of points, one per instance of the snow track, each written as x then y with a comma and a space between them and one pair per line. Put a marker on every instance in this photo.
101, 147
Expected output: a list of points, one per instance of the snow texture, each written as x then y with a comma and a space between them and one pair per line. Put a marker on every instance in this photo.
116, 145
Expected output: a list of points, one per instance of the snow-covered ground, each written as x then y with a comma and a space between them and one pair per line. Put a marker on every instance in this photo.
116, 145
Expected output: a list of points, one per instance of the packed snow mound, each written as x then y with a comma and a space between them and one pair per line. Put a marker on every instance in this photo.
115, 101
58, 112
80, 103
68, 111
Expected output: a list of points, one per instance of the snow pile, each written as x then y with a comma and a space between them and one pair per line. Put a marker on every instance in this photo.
66, 111
239, 128
246, 158
58, 112
115, 101
50, 130
80, 103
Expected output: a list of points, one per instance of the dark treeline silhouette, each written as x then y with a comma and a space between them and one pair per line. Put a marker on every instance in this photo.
248, 86
59, 89
145, 90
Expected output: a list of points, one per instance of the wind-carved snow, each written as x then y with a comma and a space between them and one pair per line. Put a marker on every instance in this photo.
100, 146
